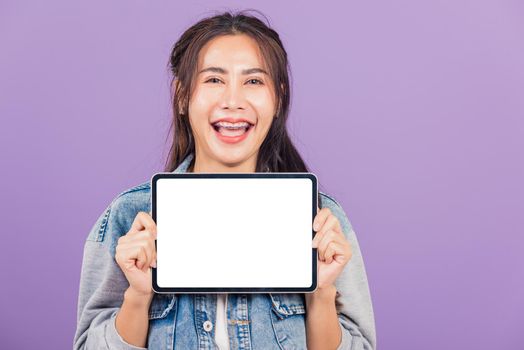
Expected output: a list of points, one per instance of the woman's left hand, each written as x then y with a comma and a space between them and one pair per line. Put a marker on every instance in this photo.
334, 250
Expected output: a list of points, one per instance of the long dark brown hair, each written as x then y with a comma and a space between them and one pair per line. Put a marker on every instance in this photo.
277, 153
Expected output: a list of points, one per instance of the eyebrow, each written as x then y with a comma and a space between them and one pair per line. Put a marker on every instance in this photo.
224, 71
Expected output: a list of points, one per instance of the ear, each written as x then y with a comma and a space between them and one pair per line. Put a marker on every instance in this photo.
181, 109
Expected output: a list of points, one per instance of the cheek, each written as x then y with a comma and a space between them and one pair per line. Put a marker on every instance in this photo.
264, 103
204, 99
198, 104
200, 108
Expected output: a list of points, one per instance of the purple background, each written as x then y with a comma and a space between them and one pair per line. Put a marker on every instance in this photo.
410, 112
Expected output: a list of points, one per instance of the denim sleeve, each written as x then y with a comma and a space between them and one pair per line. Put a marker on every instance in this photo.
353, 300
102, 287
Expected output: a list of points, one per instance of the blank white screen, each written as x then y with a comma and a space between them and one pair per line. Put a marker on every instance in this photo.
234, 233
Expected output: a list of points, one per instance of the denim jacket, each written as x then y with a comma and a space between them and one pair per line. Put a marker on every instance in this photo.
254, 321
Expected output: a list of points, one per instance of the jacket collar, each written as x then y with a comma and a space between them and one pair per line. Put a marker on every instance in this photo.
182, 167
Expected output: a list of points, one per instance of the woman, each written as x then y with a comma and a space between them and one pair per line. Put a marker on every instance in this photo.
230, 105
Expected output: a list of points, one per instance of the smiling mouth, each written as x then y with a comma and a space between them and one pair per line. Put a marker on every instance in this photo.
232, 129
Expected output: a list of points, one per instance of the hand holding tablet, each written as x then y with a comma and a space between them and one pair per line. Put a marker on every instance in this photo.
249, 233
135, 254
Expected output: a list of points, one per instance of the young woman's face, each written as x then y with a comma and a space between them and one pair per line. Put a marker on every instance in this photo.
233, 103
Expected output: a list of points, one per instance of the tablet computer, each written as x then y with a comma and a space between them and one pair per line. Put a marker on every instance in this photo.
234, 232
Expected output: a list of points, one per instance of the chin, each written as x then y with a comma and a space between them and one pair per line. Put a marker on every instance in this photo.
232, 157
232, 160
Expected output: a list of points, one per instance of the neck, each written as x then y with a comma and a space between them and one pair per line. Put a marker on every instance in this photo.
206, 165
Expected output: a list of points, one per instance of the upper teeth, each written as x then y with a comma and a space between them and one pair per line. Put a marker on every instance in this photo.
232, 125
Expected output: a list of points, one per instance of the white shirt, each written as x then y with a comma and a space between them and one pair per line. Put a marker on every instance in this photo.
221, 337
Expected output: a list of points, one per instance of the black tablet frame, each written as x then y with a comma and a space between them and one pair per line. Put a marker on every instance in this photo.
314, 202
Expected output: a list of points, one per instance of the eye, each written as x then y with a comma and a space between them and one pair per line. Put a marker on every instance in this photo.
257, 81
213, 80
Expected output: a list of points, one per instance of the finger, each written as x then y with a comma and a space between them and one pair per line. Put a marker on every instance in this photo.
342, 252
144, 238
144, 235
130, 257
331, 223
320, 218
149, 249
318, 238
332, 249
142, 258
143, 221
328, 236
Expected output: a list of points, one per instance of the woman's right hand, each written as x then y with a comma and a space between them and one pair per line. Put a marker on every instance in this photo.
136, 253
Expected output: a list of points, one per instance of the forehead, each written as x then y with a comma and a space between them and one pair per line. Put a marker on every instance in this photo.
229, 50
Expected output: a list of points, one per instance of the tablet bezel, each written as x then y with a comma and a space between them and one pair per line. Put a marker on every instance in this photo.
247, 290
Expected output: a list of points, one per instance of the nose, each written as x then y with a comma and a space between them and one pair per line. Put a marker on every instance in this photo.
233, 97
